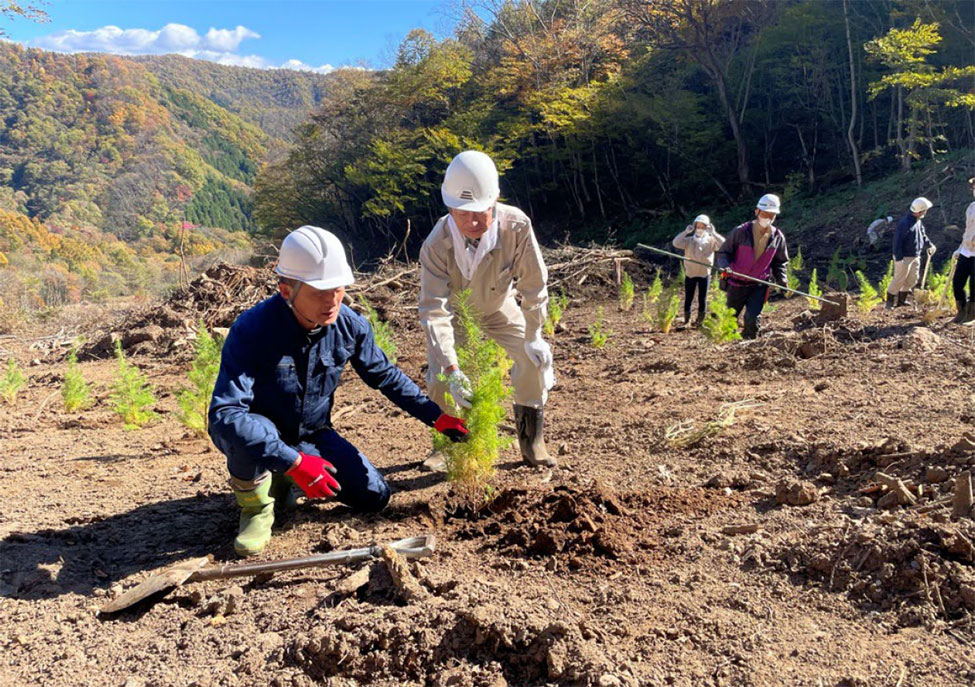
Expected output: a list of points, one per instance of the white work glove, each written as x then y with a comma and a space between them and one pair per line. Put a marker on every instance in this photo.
931, 249
460, 389
540, 353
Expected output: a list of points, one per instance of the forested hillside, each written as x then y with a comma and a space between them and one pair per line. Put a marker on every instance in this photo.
625, 115
108, 164
274, 100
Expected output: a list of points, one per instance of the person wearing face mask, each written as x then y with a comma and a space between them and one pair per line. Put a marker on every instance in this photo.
699, 241
489, 248
965, 267
270, 413
758, 249
910, 242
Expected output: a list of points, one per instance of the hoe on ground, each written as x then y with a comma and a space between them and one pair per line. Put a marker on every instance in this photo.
199, 569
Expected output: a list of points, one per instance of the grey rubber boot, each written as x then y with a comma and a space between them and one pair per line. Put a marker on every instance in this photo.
531, 424
969, 314
435, 462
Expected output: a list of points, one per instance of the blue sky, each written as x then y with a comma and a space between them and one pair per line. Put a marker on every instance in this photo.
298, 34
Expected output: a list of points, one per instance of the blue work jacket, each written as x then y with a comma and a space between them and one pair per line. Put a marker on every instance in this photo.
910, 239
272, 366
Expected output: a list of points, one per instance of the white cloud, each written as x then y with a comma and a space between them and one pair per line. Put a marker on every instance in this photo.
227, 40
300, 66
217, 45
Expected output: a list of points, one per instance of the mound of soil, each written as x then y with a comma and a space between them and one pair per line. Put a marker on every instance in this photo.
924, 569
508, 643
590, 525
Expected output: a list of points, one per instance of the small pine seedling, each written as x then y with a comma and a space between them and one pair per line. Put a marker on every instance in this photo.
794, 267
887, 278
626, 293
557, 306
836, 274
868, 298
132, 397
668, 307
814, 290
194, 402
651, 297
381, 330
598, 336
75, 390
721, 325
11, 382
470, 464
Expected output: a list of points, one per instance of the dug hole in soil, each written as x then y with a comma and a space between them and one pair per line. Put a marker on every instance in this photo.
814, 540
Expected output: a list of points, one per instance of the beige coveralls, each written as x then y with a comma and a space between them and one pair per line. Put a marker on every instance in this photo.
515, 264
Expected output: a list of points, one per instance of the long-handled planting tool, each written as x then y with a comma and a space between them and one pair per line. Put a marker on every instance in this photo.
738, 275
199, 569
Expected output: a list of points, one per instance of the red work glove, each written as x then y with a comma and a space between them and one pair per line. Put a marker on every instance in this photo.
451, 427
314, 476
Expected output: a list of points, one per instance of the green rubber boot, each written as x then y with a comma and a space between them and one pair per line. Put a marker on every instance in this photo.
283, 493
256, 518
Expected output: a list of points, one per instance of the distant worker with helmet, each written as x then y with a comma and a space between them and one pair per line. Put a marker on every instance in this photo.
270, 414
757, 249
910, 242
699, 241
489, 248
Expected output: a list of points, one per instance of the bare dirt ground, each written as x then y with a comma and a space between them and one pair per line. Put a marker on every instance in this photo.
633, 563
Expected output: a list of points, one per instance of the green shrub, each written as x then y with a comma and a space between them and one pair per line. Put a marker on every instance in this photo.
470, 464
194, 402
557, 306
721, 324
868, 298
75, 390
814, 290
132, 397
626, 293
381, 330
668, 306
598, 335
11, 382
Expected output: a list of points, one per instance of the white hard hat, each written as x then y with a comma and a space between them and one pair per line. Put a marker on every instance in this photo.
921, 204
769, 203
471, 182
703, 219
315, 257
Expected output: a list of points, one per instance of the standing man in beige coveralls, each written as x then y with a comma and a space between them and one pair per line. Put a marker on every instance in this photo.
489, 248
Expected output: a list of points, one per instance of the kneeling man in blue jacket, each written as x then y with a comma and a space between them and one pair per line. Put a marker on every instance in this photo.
271, 409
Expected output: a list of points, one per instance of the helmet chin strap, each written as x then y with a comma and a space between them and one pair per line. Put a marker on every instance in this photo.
291, 304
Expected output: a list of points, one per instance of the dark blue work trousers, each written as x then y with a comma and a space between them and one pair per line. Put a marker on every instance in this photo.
363, 488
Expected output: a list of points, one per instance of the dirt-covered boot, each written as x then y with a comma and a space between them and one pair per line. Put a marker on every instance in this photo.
531, 424
891, 301
283, 493
256, 519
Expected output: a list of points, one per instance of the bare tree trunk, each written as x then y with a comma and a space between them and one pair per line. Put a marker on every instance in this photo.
853, 100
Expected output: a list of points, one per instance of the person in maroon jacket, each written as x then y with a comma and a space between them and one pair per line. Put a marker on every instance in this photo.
756, 248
